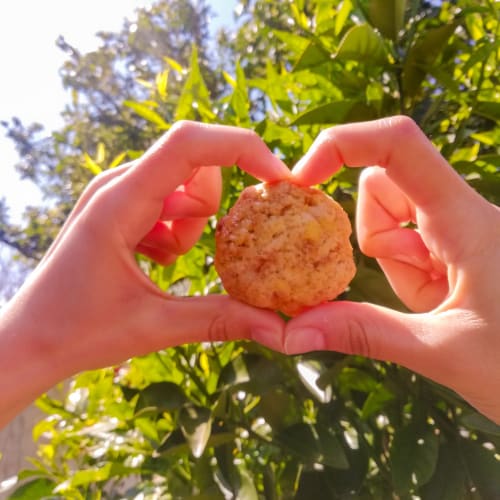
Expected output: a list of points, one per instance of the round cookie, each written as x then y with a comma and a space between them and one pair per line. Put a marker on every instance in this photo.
284, 247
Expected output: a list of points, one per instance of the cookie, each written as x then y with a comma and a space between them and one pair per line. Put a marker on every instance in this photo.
284, 247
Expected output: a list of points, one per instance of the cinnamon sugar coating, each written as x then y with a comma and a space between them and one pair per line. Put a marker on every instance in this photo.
284, 247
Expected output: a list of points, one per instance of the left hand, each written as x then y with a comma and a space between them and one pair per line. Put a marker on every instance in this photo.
88, 304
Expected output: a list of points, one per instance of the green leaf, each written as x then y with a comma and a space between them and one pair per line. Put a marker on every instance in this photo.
309, 372
483, 467
117, 160
359, 454
91, 165
362, 43
162, 396
194, 100
422, 56
37, 488
413, 456
297, 8
371, 285
445, 78
355, 379
314, 484
161, 84
145, 83
246, 488
313, 445
234, 373
229, 79
479, 422
251, 372
294, 43
475, 26
488, 109
279, 408
490, 138
313, 55
323, 17
376, 400
235, 481
196, 425
147, 426
144, 111
239, 99
273, 133
387, 16
87, 476
173, 443
28, 474
174, 64
52, 407
100, 153
448, 481
42, 427
342, 16
480, 54
336, 112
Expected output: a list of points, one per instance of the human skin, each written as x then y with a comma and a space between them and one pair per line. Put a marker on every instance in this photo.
447, 270
88, 305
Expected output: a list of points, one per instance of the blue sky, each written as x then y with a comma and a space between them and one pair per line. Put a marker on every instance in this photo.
30, 87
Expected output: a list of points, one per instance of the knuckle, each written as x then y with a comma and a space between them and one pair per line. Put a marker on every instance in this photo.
182, 131
357, 339
99, 181
326, 135
252, 134
251, 137
370, 177
218, 329
401, 126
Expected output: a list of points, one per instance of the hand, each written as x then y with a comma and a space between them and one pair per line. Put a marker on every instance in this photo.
447, 270
88, 305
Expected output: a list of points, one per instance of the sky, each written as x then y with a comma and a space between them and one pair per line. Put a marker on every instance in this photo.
30, 86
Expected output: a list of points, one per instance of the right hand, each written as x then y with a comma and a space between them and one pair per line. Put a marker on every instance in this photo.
447, 270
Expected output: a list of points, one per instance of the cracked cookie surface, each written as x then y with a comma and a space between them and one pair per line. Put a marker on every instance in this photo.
284, 247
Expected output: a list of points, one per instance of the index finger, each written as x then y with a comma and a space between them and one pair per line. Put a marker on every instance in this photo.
190, 145
396, 144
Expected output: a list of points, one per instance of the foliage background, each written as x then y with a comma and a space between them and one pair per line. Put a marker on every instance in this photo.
235, 420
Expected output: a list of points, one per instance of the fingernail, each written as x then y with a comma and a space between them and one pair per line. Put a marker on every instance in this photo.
304, 340
269, 338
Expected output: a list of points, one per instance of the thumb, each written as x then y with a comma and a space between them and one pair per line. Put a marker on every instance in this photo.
174, 321
363, 329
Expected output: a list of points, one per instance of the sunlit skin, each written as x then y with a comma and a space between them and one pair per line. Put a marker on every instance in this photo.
447, 270
88, 305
